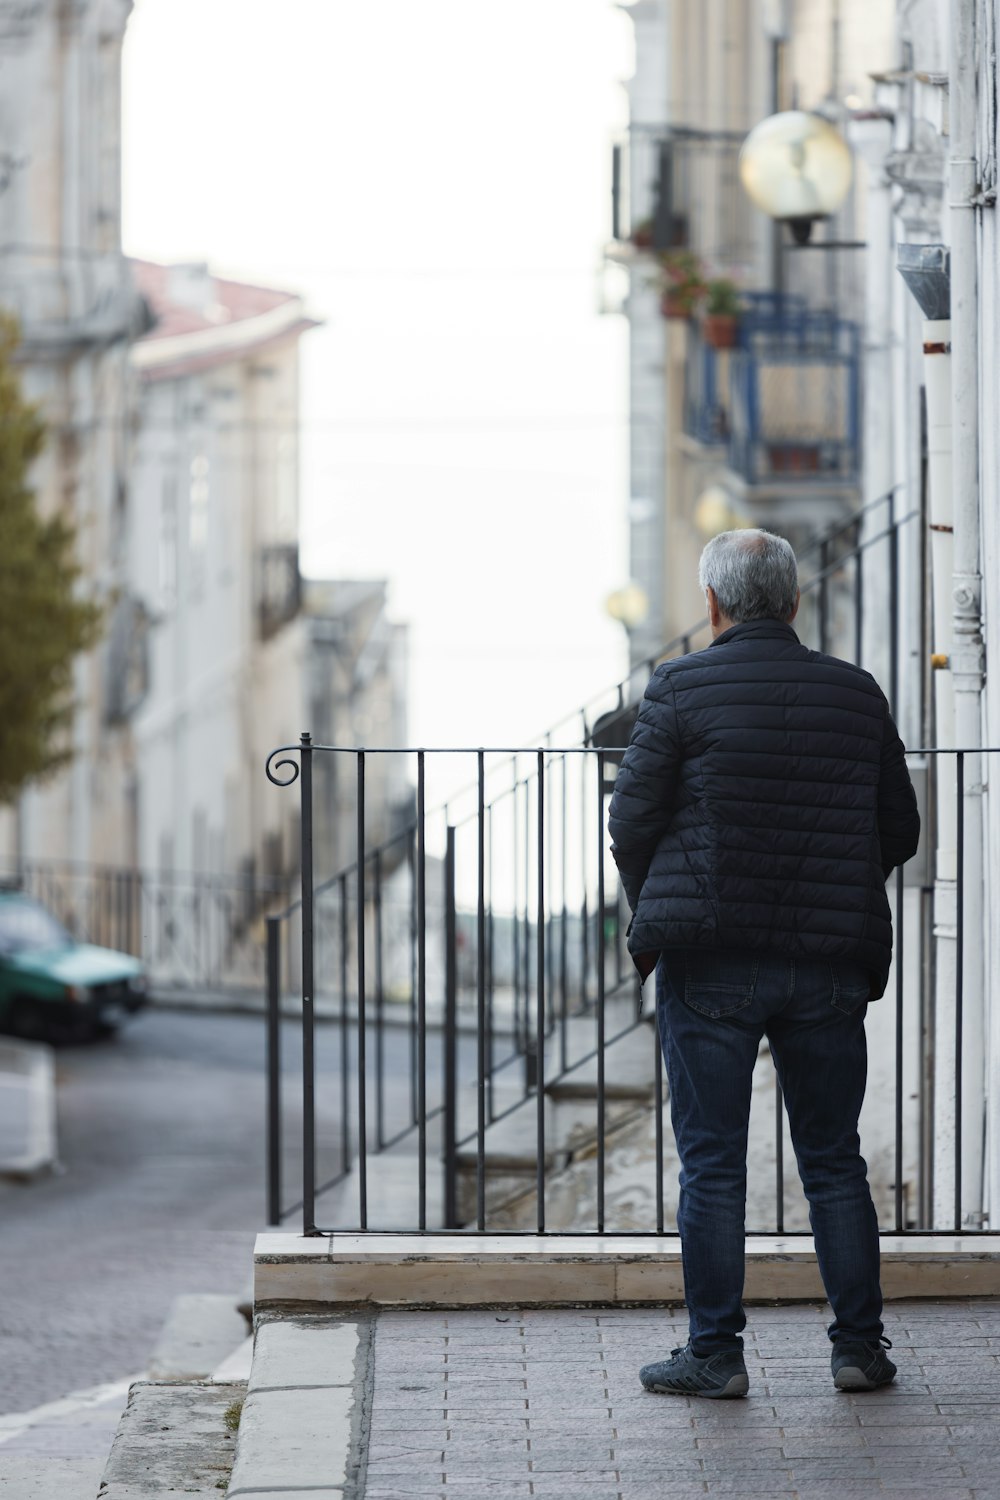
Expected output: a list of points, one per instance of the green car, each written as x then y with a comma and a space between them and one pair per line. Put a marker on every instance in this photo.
54, 987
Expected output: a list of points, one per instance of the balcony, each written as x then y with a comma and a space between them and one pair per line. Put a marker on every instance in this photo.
785, 403
675, 186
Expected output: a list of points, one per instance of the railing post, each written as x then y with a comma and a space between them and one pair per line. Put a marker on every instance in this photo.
308, 994
540, 999
379, 1009
450, 1041
481, 1051
893, 610
362, 1018
601, 982
273, 1070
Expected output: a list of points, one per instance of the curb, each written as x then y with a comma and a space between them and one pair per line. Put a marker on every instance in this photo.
298, 1426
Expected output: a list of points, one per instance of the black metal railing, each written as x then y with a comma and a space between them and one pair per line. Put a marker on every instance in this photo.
455, 945
449, 1115
833, 619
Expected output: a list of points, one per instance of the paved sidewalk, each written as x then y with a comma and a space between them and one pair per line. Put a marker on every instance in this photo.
547, 1403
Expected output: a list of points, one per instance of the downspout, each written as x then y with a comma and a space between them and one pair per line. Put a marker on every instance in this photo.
967, 649
947, 290
926, 271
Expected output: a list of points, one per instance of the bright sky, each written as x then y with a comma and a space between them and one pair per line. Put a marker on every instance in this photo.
435, 178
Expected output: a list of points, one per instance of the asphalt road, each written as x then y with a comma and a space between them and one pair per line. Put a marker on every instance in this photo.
161, 1135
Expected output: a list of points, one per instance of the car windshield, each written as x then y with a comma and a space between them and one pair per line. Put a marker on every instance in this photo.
25, 924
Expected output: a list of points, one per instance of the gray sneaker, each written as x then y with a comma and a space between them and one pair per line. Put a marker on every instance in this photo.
720, 1376
862, 1367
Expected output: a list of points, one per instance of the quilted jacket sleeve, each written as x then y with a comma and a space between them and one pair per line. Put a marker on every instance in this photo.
644, 797
898, 818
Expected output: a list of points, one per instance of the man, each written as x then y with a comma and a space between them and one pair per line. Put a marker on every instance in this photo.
761, 804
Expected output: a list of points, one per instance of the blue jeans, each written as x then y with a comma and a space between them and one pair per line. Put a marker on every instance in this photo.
713, 1008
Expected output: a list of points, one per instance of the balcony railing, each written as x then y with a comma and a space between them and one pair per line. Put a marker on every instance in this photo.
675, 186
785, 403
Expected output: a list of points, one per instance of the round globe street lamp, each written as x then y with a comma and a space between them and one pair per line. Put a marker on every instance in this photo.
628, 605
796, 167
716, 510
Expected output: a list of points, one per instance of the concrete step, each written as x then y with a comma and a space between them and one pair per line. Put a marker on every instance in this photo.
173, 1438
571, 1123
236, 1366
200, 1332
392, 1189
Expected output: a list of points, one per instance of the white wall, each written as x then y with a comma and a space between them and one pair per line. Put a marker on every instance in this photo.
215, 479
71, 289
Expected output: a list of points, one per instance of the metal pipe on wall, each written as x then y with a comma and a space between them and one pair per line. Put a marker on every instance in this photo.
967, 647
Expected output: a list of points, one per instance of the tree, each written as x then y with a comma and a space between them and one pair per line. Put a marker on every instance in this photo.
44, 623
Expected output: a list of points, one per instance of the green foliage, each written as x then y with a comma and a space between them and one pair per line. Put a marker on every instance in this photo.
231, 1415
682, 280
722, 298
43, 624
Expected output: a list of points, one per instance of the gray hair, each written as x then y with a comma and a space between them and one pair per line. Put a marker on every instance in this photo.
752, 573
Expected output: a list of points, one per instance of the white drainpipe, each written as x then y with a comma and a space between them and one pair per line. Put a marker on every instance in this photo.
967, 645
938, 388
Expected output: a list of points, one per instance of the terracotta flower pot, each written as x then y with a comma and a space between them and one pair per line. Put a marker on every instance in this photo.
793, 459
720, 330
675, 305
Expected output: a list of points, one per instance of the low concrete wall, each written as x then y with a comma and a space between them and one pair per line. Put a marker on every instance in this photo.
532, 1270
27, 1109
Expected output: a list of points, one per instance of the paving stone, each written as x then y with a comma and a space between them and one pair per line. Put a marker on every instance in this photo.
502, 1398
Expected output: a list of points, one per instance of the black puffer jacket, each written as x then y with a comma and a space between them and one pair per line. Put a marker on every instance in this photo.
762, 802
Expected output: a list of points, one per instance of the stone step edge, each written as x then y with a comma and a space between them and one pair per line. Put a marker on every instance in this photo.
172, 1437
522, 1270
576, 1147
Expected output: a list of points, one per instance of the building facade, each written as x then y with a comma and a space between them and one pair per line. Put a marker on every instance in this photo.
769, 429
213, 561
862, 393
63, 274
171, 398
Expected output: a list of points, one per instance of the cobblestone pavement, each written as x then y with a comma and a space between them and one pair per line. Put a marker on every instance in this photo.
547, 1403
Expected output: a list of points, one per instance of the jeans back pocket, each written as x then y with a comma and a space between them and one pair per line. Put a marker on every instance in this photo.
851, 986
717, 982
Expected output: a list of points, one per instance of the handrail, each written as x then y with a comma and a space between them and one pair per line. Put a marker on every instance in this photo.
555, 1023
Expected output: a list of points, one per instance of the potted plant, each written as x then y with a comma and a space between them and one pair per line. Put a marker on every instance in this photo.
642, 235
682, 285
720, 319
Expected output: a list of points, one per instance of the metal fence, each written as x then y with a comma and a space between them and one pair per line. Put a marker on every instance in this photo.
511, 1081
193, 931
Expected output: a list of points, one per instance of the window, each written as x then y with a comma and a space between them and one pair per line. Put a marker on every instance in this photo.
198, 499
168, 544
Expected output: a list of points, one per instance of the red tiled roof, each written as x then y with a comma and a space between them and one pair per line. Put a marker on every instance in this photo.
231, 301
